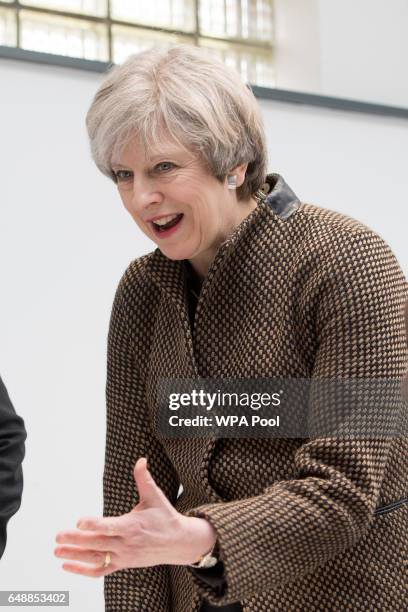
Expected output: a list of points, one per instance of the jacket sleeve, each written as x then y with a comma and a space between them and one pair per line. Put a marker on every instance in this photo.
329, 504
128, 437
12, 450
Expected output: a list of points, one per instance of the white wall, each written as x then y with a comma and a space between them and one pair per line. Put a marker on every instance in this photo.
356, 49
65, 241
296, 55
364, 50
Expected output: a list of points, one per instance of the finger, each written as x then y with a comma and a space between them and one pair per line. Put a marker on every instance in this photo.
88, 539
106, 525
150, 493
86, 570
86, 556
141, 467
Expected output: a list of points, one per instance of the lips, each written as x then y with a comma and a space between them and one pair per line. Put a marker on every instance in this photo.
168, 228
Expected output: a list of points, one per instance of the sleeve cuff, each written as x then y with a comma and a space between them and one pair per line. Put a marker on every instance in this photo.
212, 577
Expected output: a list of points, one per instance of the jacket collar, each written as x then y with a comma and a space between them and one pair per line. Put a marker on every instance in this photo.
274, 196
279, 196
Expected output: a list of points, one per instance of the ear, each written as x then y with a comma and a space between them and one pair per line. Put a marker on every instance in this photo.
239, 172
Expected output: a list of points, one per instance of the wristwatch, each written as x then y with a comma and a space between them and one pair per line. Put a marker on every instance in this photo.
209, 559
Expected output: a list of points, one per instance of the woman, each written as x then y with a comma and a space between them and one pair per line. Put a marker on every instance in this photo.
247, 282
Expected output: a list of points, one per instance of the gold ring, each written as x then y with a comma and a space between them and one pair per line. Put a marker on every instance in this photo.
107, 561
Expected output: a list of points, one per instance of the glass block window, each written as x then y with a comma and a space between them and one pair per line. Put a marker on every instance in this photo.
253, 63
236, 19
126, 40
173, 15
87, 7
238, 31
8, 27
63, 36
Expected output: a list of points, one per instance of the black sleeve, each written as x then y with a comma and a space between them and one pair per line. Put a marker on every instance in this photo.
213, 576
12, 450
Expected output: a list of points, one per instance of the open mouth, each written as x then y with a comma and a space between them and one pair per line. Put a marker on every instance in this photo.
170, 225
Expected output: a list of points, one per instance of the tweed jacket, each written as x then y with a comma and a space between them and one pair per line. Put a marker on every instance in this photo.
302, 524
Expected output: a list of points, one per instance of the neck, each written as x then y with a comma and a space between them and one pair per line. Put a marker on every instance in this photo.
202, 262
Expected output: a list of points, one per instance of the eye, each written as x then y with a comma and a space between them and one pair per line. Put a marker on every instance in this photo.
122, 175
165, 166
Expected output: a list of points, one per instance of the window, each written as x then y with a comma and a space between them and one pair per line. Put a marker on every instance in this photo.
238, 31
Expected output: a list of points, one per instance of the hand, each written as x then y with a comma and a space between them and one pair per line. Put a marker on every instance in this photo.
153, 533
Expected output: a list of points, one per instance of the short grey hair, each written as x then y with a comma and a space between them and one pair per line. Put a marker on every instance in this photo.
202, 104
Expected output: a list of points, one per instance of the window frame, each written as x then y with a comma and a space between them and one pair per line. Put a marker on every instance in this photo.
267, 93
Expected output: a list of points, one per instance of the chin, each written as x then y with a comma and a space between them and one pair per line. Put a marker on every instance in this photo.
175, 253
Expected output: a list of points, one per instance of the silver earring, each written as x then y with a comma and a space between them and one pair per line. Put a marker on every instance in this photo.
232, 181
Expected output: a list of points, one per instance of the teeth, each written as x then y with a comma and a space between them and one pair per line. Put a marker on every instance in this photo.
165, 220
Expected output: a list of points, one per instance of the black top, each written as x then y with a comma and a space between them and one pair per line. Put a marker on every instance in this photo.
193, 289
212, 575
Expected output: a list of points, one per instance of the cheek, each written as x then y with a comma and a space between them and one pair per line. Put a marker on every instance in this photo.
127, 204
203, 227
125, 201
196, 221
144, 227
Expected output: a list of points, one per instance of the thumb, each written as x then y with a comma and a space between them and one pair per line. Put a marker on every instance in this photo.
149, 493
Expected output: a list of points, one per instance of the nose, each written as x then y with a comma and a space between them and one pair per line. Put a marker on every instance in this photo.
146, 197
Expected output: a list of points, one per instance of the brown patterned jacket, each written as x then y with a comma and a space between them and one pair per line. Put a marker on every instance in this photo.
302, 524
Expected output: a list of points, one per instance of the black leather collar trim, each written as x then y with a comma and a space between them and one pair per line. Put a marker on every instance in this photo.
280, 197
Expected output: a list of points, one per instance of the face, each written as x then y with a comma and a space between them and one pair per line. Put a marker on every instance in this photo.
173, 182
